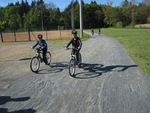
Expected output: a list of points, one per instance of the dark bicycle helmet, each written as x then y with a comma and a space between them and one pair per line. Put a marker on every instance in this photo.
40, 36
74, 32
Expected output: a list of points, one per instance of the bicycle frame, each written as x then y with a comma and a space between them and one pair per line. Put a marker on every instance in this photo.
74, 55
38, 54
74, 58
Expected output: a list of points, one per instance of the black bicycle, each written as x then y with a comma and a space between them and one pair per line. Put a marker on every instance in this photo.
73, 63
37, 59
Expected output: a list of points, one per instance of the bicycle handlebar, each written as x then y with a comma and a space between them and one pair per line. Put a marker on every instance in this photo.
72, 48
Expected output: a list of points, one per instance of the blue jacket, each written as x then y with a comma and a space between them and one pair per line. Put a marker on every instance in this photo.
42, 43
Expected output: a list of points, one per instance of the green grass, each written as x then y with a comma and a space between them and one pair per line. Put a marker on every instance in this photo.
136, 42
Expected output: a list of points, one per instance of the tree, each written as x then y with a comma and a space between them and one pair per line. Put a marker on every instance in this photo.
90, 15
76, 14
113, 15
23, 15
33, 4
2, 19
125, 3
142, 13
146, 2
53, 17
99, 15
32, 19
12, 17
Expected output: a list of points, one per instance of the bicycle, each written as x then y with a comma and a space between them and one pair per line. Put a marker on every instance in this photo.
73, 63
37, 59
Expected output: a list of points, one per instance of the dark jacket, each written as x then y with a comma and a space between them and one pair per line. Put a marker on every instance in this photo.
75, 43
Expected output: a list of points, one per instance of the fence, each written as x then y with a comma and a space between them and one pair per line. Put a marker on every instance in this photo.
31, 35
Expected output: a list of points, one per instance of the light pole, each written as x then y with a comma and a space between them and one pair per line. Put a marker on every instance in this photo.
81, 20
40, 7
72, 16
42, 19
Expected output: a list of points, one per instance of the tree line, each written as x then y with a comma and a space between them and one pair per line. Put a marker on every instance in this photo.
44, 16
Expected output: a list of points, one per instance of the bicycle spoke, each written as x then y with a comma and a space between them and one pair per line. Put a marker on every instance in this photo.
72, 67
49, 57
34, 64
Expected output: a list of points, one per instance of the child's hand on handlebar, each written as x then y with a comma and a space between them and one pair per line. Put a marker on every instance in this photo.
41, 48
79, 47
66, 48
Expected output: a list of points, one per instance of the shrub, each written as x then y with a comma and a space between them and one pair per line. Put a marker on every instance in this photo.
119, 25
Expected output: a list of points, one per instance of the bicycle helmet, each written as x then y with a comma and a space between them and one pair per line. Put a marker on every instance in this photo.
40, 36
74, 32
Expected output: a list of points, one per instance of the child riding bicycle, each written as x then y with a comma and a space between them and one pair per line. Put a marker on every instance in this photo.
76, 44
43, 45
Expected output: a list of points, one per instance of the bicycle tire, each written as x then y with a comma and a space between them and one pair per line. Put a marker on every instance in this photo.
80, 60
35, 64
49, 57
72, 67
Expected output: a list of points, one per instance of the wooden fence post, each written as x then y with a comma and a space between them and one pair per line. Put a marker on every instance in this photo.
29, 34
1, 36
15, 35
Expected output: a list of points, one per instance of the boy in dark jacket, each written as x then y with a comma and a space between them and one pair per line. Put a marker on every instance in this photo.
76, 44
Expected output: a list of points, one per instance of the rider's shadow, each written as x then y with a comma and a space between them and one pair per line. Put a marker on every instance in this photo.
25, 59
54, 68
5, 110
5, 99
95, 70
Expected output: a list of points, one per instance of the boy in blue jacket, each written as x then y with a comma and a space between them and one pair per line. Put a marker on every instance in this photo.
42, 43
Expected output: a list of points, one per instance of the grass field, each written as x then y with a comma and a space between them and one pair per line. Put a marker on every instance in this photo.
136, 42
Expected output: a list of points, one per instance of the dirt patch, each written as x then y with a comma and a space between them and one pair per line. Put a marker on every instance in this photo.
13, 51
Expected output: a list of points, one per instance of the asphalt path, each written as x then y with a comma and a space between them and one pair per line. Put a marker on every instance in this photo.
108, 82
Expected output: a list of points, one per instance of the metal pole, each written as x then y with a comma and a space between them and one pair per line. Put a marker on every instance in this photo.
72, 16
42, 19
81, 20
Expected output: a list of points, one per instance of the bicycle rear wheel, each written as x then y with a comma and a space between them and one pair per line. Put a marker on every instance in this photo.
72, 67
49, 57
35, 64
80, 60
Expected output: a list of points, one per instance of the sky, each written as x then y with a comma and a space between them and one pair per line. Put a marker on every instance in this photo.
62, 4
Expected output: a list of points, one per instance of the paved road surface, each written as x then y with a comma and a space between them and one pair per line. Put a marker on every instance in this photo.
108, 82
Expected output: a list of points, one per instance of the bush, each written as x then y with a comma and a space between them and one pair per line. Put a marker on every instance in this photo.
132, 24
148, 20
119, 25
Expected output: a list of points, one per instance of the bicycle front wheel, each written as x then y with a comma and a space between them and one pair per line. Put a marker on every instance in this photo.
35, 64
49, 57
72, 67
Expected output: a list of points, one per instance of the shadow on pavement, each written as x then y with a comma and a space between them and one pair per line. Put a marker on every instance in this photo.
54, 68
4, 110
24, 59
95, 70
5, 99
